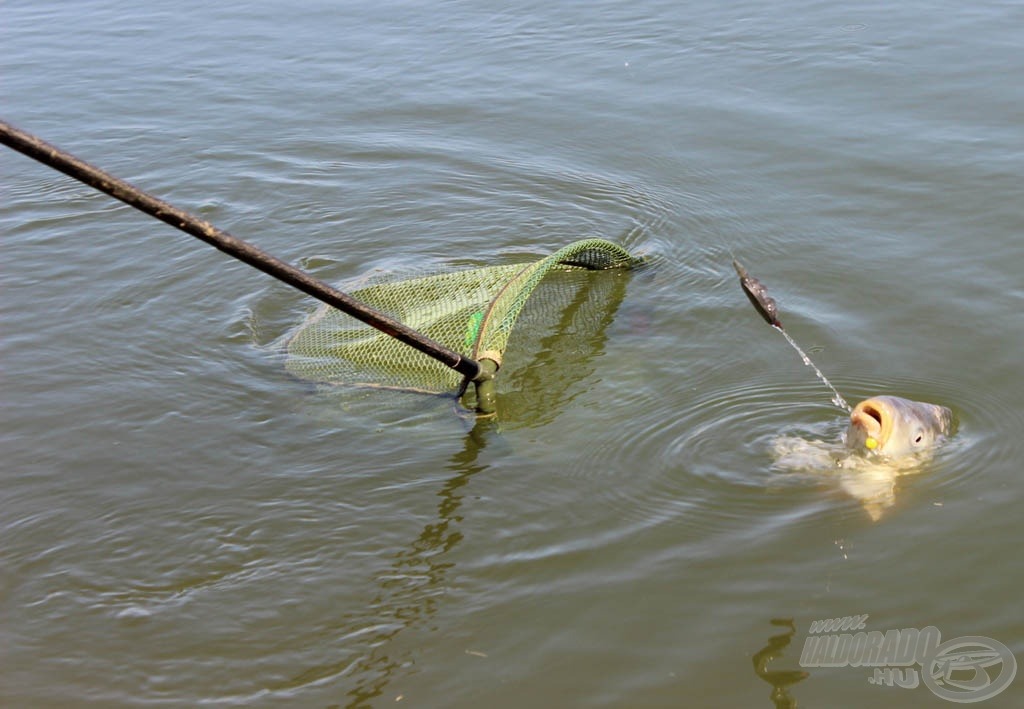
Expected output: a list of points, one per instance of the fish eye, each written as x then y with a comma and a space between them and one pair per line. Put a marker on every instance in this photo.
918, 438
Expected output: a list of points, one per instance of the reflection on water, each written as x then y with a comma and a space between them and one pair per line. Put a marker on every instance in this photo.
560, 333
147, 445
408, 591
558, 336
780, 680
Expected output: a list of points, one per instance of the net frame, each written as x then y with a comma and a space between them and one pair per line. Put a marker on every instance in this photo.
472, 311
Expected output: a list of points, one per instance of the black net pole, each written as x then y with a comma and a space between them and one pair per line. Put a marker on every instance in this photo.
245, 252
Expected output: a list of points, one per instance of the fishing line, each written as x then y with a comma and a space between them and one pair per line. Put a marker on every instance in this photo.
769, 310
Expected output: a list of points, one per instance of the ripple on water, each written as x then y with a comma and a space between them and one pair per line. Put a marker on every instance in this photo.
713, 457
706, 461
489, 209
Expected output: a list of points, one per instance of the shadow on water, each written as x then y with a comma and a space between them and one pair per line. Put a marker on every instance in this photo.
780, 680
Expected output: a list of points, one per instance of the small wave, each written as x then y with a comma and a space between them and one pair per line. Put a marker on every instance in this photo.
719, 454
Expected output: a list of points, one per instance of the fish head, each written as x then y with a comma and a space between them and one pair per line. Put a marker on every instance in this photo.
896, 427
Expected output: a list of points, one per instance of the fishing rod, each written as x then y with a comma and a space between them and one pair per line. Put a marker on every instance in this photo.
481, 373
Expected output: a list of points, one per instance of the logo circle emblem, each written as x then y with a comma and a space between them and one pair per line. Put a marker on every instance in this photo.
957, 670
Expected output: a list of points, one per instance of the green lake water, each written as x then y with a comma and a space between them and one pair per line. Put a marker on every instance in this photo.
183, 523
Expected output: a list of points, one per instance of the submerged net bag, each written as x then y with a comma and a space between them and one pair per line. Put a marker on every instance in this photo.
471, 311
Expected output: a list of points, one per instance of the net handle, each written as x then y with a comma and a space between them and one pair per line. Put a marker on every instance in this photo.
51, 156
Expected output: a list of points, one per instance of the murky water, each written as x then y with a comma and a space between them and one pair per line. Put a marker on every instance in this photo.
182, 522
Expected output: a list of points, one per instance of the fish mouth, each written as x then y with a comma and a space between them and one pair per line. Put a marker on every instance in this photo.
875, 418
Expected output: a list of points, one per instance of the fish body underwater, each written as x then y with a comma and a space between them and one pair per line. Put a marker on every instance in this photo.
887, 436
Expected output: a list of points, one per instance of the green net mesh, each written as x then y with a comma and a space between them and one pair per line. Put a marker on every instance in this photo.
471, 311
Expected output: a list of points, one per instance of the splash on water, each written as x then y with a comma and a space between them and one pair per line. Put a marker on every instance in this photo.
837, 398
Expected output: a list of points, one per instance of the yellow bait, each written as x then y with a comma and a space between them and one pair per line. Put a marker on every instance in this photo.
871, 443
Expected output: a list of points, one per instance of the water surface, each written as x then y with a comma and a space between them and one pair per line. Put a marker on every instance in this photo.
183, 523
